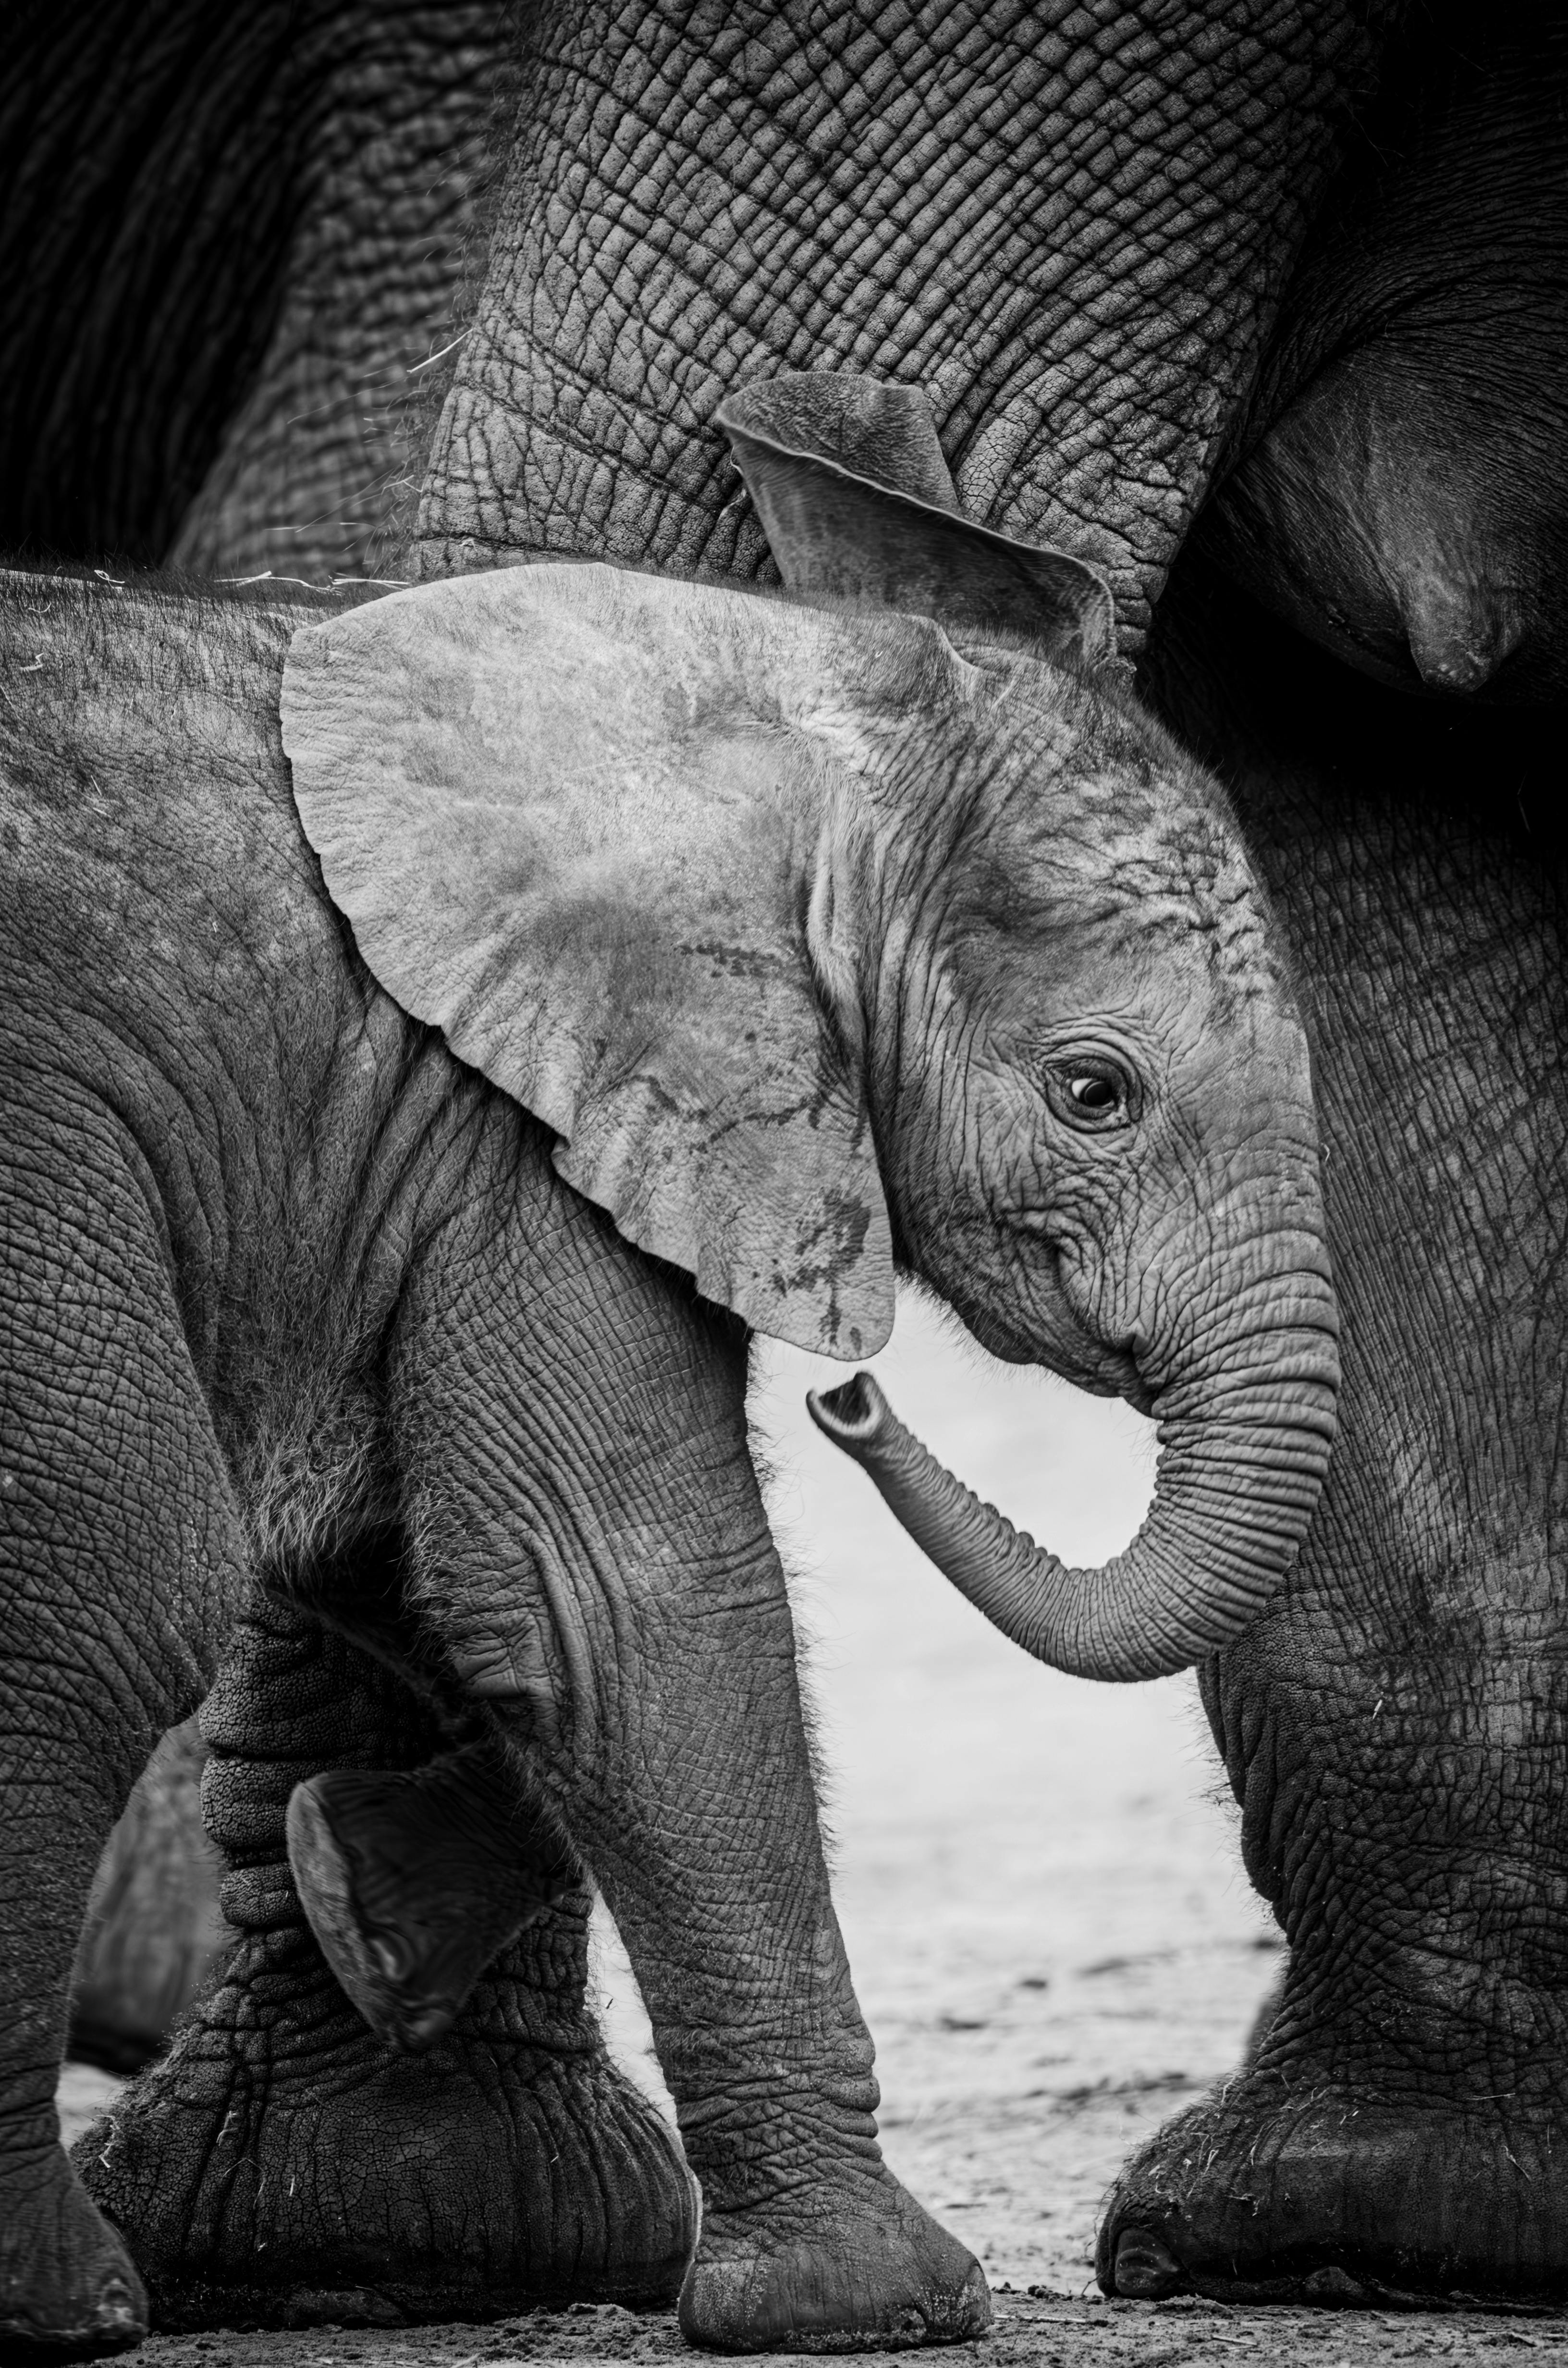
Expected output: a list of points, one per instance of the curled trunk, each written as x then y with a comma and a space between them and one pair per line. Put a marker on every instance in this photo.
1237, 1484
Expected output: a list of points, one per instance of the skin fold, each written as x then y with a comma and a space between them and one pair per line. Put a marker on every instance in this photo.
1072, 227
311, 1345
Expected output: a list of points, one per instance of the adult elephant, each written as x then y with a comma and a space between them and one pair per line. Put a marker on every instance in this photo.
1076, 229
232, 249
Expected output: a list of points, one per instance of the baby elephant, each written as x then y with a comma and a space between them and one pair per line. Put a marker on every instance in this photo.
400, 1141
410, 1882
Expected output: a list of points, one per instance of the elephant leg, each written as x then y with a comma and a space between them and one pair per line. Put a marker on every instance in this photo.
281, 2165
117, 1545
592, 1559
1396, 1726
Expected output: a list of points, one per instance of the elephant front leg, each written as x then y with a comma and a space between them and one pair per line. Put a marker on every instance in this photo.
117, 1555
693, 1802
706, 1841
1394, 1726
593, 1554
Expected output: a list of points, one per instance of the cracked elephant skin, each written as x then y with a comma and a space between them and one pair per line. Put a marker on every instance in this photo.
1101, 312
234, 250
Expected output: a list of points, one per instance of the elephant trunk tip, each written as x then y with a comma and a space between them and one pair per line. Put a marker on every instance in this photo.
853, 1415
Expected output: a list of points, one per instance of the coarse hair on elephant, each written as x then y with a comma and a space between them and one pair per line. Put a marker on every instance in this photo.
678, 954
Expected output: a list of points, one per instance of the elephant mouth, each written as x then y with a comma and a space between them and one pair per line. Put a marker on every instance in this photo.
1064, 1344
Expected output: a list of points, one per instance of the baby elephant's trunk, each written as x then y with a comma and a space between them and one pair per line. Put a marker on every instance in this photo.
1240, 1470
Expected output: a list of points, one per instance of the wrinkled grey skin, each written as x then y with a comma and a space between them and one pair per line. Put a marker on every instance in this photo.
1081, 243
235, 244
1407, 503
296, 1298
1103, 309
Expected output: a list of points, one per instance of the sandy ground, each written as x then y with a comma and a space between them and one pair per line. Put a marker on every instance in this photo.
1038, 1879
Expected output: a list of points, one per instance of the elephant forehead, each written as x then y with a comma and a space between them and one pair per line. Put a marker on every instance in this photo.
1093, 846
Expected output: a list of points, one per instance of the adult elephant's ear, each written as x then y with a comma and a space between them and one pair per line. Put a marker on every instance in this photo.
572, 826
856, 501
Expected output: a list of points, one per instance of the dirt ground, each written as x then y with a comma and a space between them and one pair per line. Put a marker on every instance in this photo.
1038, 1879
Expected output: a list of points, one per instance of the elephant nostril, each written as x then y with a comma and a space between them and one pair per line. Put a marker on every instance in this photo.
1144, 2268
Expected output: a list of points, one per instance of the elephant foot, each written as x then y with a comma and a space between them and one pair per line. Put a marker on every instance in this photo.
1319, 2192
67, 2287
281, 2167
412, 1883
868, 2271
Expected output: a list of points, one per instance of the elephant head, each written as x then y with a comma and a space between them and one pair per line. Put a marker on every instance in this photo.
821, 936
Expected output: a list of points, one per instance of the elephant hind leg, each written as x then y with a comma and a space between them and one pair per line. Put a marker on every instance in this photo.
117, 1551
282, 2166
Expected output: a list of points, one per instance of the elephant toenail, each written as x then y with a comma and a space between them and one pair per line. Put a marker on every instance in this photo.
1145, 2267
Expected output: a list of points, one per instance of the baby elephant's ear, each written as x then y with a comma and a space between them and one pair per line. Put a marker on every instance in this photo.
855, 498
570, 824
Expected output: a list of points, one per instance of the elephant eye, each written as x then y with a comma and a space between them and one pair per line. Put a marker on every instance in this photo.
1094, 1096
